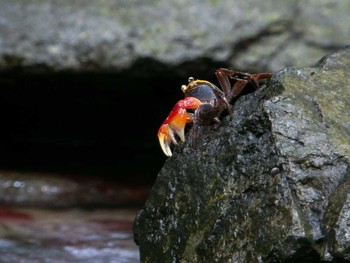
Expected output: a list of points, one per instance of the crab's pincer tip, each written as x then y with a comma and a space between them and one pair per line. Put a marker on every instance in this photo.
165, 136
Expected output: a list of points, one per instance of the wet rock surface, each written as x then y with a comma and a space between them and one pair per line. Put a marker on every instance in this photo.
75, 235
268, 184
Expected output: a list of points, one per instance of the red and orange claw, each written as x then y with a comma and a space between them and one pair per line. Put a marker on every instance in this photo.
175, 123
166, 136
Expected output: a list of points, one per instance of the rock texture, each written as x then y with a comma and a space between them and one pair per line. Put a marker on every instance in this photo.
116, 35
269, 184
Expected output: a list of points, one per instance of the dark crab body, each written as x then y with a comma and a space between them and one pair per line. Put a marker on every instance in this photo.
210, 96
207, 101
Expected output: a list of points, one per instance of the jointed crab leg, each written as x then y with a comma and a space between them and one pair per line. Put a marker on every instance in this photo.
176, 122
242, 78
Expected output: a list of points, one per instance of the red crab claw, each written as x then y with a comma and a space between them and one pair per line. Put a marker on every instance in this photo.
176, 122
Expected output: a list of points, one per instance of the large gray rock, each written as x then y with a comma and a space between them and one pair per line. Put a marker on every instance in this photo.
269, 184
48, 35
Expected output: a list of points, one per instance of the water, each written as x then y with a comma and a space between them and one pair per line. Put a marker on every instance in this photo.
74, 235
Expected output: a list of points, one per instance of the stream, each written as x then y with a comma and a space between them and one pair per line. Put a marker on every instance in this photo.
67, 235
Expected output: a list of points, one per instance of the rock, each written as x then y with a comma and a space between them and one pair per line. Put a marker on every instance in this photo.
79, 36
268, 184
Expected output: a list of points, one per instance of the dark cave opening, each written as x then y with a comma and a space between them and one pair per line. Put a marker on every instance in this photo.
101, 125
92, 124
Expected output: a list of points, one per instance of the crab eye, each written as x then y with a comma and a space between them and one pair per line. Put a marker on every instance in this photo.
190, 79
183, 88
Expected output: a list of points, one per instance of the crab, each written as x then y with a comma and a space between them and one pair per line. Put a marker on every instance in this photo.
203, 104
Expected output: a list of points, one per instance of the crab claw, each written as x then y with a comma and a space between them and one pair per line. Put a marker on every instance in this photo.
175, 123
166, 136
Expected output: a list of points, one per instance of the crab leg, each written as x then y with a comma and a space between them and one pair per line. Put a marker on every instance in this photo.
242, 79
175, 123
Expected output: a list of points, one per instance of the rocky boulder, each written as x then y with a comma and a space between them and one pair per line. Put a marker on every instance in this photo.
158, 36
268, 184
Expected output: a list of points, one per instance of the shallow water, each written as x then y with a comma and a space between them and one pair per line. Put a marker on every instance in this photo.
74, 235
